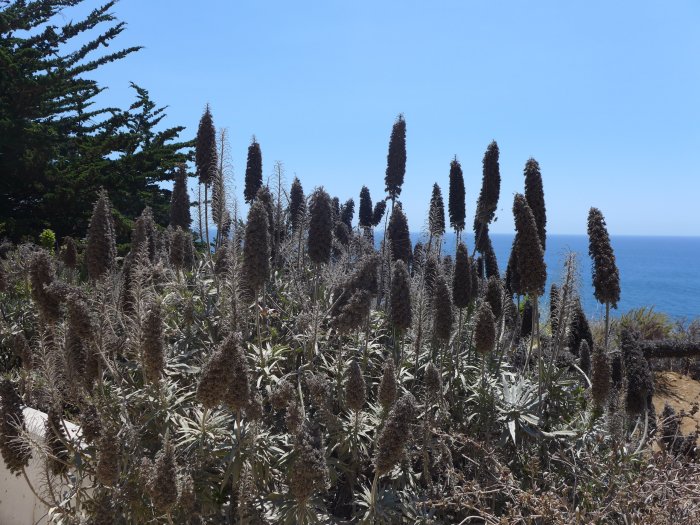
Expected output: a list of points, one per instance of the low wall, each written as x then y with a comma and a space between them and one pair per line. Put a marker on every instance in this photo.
18, 504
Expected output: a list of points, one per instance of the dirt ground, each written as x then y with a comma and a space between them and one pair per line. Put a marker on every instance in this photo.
680, 392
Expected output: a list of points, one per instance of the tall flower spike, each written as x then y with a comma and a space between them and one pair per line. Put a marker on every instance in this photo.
387, 386
433, 381
256, 250
554, 308
180, 201
144, 234
436, 214
238, 394
488, 196
14, 450
153, 352
600, 377
399, 239
394, 436
162, 484
485, 330
309, 472
355, 387
101, 251
396, 158
456, 207
400, 299
205, 148
532, 270
461, 278
378, 212
55, 441
253, 172
494, 296
639, 379
606, 278
365, 208
442, 306
297, 205
534, 194
41, 275
70, 253
320, 227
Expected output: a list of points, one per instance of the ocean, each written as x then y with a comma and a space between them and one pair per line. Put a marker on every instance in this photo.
658, 272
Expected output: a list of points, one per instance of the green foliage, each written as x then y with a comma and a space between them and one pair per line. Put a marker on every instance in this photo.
58, 146
47, 240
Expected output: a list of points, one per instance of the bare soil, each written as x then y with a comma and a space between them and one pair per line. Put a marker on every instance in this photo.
681, 392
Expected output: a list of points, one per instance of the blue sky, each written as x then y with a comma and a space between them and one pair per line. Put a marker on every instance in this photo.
605, 95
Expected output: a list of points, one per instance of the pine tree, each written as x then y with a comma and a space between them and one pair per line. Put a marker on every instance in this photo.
534, 194
457, 208
253, 171
396, 159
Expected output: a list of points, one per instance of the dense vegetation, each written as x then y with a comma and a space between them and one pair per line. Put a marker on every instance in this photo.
289, 371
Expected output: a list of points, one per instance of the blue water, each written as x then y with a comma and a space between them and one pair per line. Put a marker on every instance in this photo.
663, 272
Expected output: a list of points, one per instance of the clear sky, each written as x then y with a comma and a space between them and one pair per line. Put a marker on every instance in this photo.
604, 94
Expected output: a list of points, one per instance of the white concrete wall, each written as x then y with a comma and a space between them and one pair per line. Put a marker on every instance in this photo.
18, 505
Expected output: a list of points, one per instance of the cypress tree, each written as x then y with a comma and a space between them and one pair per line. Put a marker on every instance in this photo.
488, 196
532, 270
253, 171
461, 279
256, 250
365, 213
436, 215
320, 238
457, 207
297, 204
101, 250
396, 159
534, 194
399, 239
180, 202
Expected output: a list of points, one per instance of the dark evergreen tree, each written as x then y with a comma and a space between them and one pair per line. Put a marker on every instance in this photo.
457, 208
365, 214
488, 196
253, 172
396, 159
58, 145
398, 236
436, 214
534, 193
180, 202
